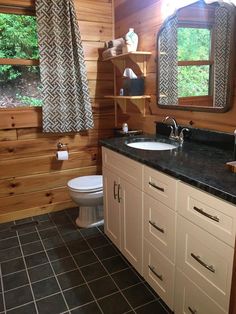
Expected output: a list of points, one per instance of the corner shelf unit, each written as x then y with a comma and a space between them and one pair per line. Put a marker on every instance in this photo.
139, 58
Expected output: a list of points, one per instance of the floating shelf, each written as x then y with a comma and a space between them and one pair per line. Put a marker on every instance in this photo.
138, 57
138, 101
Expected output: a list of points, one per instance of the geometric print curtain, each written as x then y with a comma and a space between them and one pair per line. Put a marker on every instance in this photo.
65, 93
222, 54
168, 64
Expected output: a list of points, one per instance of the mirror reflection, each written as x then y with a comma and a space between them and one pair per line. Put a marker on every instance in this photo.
195, 58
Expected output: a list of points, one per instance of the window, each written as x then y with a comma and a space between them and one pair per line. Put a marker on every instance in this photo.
195, 65
19, 61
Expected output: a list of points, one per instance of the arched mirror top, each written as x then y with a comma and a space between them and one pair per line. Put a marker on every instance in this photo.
195, 58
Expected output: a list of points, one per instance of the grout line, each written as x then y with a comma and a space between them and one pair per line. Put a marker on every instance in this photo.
3, 297
27, 273
54, 273
83, 275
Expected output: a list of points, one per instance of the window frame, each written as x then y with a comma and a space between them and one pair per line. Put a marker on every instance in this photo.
204, 100
26, 7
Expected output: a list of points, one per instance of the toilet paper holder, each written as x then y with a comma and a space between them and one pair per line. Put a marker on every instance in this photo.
62, 146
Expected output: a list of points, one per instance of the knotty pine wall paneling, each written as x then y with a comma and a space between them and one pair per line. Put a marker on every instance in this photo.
146, 18
32, 181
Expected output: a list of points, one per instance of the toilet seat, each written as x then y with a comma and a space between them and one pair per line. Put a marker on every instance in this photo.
86, 184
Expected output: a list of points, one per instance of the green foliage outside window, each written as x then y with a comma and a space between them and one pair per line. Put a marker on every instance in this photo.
194, 44
19, 85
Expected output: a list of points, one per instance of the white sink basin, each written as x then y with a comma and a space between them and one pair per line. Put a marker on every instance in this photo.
151, 145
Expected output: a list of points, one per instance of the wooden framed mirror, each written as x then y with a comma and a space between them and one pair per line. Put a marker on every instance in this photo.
195, 63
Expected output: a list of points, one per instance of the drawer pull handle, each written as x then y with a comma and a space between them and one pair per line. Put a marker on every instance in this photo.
156, 187
119, 188
192, 311
152, 223
201, 211
114, 190
198, 259
152, 268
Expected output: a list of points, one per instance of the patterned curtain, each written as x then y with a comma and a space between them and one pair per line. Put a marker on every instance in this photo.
222, 54
65, 93
168, 64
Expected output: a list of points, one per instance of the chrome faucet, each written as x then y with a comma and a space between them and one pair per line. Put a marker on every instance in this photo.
174, 129
174, 134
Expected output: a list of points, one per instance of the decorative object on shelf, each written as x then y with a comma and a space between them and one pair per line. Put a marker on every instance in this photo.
132, 85
131, 41
115, 47
232, 166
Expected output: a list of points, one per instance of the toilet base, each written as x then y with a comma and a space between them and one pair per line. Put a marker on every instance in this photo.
90, 216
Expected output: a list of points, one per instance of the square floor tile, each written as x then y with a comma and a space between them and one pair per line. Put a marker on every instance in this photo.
102, 287
48, 233
45, 288
153, 307
85, 258
7, 234
12, 266
18, 297
97, 241
115, 263
93, 271
63, 265
40, 272
45, 225
60, 218
70, 279
6, 226
106, 251
71, 236
90, 232
32, 248
77, 246
67, 228
43, 217
26, 229
53, 242
36, 259
54, 304
78, 296
25, 309
9, 243
115, 304
138, 295
58, 253
125, 278
91, 308
15, 280
9, 254
30, 237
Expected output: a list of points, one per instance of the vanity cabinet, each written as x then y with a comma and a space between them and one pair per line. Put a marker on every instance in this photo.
179, 238
159, 228
205, 251
123, 205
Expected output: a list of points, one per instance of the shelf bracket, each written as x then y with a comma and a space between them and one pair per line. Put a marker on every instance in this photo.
119, 64
123, 104
141, 61
140, 104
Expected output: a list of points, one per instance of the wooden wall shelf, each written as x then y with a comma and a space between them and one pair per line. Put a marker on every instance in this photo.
138, 101
138, 57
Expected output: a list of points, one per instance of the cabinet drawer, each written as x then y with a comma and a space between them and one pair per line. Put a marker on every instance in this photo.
205, 259
160, 226
125, 167
210, 213
191, 299
159, 273
160, 186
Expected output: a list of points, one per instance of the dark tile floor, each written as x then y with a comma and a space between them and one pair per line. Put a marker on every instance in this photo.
50, 266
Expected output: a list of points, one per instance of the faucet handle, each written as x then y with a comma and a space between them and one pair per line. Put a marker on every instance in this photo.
171, 131
181, 135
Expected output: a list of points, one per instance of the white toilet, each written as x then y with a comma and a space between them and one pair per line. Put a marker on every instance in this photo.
87, 193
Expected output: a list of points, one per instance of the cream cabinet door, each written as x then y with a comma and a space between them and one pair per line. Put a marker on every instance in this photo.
112, 223
131, 199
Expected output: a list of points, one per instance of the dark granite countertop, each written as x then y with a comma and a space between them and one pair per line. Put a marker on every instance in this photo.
199, 165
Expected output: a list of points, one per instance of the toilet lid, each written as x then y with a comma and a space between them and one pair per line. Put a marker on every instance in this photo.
86, 183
